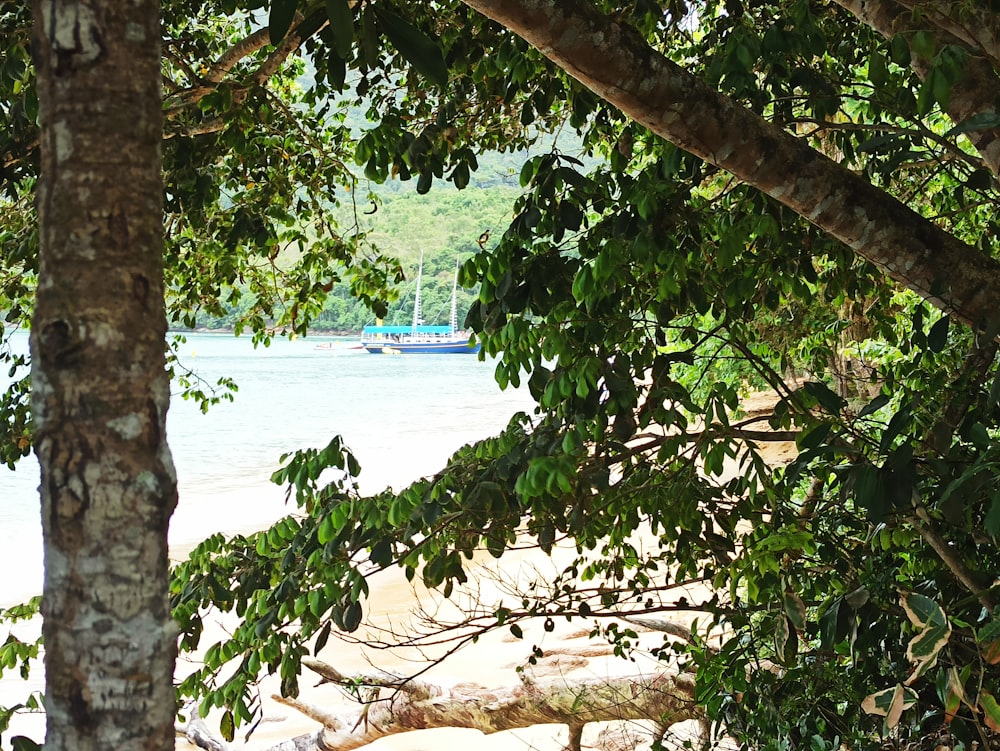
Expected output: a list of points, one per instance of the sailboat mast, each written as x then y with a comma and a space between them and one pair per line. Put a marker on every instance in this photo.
416, 301
454, 301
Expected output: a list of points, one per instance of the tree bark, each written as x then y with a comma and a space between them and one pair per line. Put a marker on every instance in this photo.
617, 64
100, 388
978, 90
664, 698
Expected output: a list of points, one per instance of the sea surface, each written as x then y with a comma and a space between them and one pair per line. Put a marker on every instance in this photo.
402, 416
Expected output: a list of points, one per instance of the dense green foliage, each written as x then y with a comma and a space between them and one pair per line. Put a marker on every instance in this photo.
640, 295
640, 299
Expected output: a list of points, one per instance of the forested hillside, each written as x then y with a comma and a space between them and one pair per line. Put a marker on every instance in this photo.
444, 225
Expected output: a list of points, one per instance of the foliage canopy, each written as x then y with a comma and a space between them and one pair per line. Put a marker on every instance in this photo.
640, 295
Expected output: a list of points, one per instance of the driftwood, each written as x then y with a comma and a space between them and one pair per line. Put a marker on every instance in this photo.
197, 732
660, 697
391, 707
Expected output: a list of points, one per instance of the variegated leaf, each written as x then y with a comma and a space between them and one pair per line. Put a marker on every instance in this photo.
935, 630
890, 703
955, 695
991, 710
795, 609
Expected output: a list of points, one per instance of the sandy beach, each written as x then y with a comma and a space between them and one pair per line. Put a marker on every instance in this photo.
391, 608
491, 662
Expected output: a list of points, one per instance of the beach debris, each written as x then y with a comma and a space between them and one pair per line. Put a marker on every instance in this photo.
389, 707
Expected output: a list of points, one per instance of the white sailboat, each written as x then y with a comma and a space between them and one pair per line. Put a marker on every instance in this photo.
418, 339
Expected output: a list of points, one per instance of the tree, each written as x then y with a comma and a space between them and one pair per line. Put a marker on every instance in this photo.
100, 386
776, 189
640, 298
86, 122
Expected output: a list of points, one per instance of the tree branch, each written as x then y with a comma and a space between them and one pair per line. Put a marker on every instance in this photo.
243, 48
182, 101
979, 88
975, 27
673, 104
661, 697
925, 526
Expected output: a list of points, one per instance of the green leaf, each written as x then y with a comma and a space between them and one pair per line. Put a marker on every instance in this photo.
827, 399
327, 530
342, 26
369, 33
424, 182
897, 424
352, 616
878, 71
899, 51
422, 52
381, 554
527, 172
992, 520
461, 175
979, 179
941, 88
321, 640
828, 625
925, 96
924, 44
795, 609
278, 23
874, 405
978, 435
937, 337
814, 436
516, 631
980, 121
336, 71
227, 726
869, 490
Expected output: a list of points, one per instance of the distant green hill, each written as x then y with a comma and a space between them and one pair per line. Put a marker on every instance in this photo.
444, 225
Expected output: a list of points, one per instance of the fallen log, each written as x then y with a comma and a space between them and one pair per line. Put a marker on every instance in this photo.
392, 708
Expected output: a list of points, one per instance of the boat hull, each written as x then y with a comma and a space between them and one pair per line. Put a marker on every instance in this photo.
421, 348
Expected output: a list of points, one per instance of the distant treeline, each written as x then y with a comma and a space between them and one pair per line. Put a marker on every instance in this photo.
445, 225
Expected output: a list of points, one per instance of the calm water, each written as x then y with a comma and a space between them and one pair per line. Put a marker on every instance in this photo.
402, 416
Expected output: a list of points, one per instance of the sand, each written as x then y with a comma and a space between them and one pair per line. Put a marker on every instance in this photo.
492, 661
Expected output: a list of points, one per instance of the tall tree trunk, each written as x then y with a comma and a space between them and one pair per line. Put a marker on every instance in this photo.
100, 389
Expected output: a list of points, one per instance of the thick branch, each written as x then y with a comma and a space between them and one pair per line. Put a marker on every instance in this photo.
217, 73
197, 733
416, 689
661, 624
974, 26
662, 697
243, 48
978, 90
183, 101
675, 105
